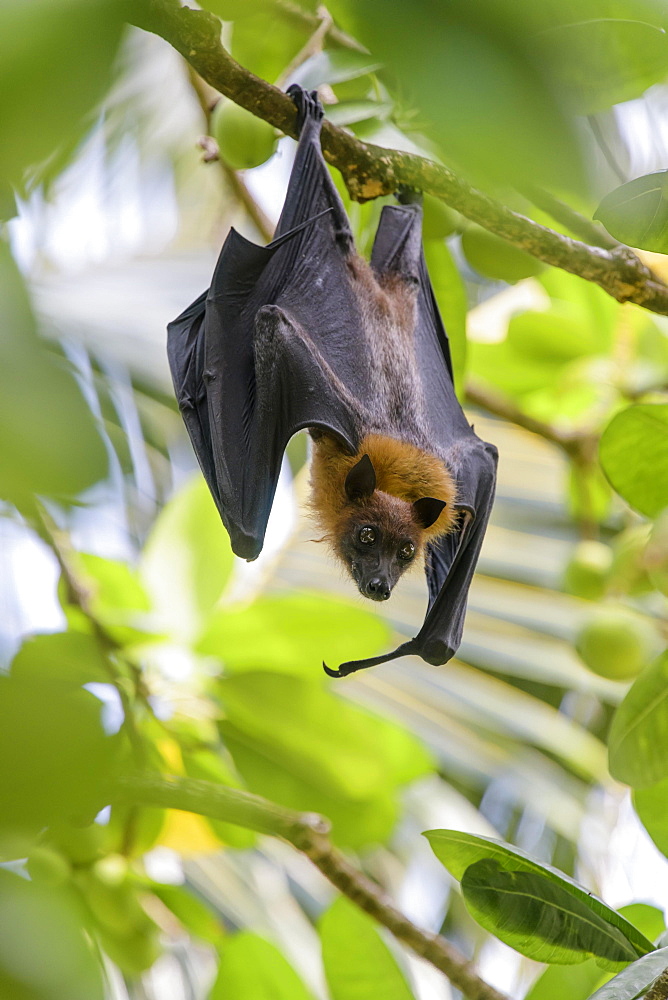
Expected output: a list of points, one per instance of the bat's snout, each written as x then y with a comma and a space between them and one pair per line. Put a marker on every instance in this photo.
377, 589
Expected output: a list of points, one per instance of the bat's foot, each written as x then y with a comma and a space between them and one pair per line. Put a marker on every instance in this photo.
308, 104
330, 672
408, 196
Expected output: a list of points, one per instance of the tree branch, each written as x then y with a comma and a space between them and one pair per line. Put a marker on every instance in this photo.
659, 988
370, 171
308, 832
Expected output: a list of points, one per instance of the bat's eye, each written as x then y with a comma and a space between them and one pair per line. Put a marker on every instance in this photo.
407, 551
367, 535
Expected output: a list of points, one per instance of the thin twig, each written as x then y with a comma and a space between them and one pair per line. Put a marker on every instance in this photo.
370, 171
309, 833
571, 441
208, 97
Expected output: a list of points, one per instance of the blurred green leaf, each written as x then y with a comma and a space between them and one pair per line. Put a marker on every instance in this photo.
557, 335
335, 66
49, 440
355, 823
197, 918
496, 258
317, 735
68, 658
635, 979
254, 969
651, 804
452, 303
539, 918
292, 633
43, 952
266, 39
610, 939
187, 561
601, 62
358, 964
636, 213
56, 61
301, 745
350, 112
634, 455
470, 71
573, 981
638, 740
57, 757
649, 920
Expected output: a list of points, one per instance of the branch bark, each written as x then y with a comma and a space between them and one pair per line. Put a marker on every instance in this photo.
309, 833
370, 171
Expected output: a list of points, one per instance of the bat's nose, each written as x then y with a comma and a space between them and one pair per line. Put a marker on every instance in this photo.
377, 589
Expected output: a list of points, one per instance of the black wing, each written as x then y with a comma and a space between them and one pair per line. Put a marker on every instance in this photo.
272, 347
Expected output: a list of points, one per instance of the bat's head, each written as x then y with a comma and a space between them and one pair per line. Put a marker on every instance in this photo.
380, 535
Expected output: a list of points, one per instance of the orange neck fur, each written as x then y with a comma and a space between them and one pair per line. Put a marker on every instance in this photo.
402, 470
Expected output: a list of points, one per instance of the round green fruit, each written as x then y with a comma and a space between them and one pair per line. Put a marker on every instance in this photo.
615, 643
587, 570
244, 141
493, 257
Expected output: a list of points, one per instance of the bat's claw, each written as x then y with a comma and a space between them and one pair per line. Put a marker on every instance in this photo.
330, 672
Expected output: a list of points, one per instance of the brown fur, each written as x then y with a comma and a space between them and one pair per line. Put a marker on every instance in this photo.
404, 473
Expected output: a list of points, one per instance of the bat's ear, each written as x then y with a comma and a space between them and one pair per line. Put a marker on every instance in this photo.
361, 480
426, 510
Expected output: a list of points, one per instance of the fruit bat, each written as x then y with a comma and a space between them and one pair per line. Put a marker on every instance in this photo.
303, 333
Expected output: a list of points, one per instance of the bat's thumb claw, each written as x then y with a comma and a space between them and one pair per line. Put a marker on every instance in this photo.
330, 672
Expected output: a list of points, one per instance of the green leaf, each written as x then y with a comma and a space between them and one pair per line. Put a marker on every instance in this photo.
267, 39
197, 918
603, 61
539, 918
573, 981
335, 66
636, 213
634, 454
635, 979
503, 118
253, 969
355, 823
56, 61
57, 757
638, 740
318, 735
69, 658
186, 561
494, 257
293, 634
301, 745
651, 804
358, 964
611, 933
350, 112
648, 919
49, 440
452, 302
43, 952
